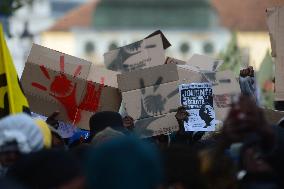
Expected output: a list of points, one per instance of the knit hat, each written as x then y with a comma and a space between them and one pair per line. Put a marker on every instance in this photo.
124, 163
22, 129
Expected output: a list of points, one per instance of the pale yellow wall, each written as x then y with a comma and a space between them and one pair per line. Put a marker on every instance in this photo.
258, 44
60, 41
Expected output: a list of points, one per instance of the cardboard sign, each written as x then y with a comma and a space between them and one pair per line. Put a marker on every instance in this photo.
56, 81
141, 54
151, 101
225, 87
156, 125
147, 77
204, 63
153, 93
171, 60
275, 22
198, 100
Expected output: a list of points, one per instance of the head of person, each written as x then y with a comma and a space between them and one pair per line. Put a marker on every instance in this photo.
207, 113
101, 120
48, 168
19, 135
123, 163
182, 168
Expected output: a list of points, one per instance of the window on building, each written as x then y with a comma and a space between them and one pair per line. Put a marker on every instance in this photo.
184, 48
208, 47
89, 47
112, 46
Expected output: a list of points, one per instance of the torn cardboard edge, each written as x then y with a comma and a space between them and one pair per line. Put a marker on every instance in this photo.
136, 56
204, 63
147, 77
156, 125
275, 20
166, 43
152, 101
39, 55
170, 60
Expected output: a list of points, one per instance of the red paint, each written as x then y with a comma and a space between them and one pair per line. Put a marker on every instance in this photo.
92, 97
44, 71
61, 85
62, 64
70, 104
39, 86
77, 71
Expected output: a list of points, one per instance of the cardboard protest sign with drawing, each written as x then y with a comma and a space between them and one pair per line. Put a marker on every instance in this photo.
151, 96
56, 81
141, 54
198, 100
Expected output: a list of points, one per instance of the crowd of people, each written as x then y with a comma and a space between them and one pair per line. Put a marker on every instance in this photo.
246, 152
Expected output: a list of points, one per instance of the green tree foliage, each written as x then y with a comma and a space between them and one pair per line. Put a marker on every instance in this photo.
7, 7
231, 56
265, 75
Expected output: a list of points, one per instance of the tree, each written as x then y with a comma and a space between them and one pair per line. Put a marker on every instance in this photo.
7, 7
232, 56
265, 77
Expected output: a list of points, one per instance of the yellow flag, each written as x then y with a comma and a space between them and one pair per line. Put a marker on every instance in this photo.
12, 98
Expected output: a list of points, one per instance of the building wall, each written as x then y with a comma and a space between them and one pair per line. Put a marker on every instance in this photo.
60, 41
75, 42
258, 43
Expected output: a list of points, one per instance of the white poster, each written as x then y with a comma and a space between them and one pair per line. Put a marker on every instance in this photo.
198, 100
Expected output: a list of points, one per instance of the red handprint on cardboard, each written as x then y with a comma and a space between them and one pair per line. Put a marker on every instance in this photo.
64, 91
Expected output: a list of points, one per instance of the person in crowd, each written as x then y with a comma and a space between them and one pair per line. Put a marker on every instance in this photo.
124, 163
106, 135
49, 168
53, 123
101, 120
182, 168
19, 135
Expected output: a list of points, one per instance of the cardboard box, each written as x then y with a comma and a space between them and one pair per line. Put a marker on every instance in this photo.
56, 81
275, 22
157, 125
141, 54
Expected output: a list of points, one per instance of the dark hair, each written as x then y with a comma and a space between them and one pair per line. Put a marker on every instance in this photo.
182, 166
45, 169
203, 115
101, 120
